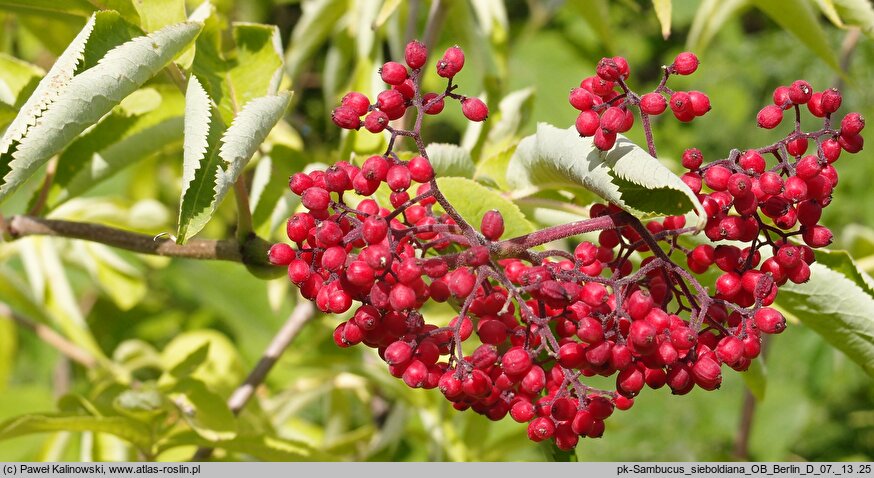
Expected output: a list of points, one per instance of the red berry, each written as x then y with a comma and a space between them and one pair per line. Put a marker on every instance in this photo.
316, 198
540, 429
700, 103
415, 54
769, 117
376, 121
852, 124
398, 178
588, 123
451, 63
280, 254
492, 225
581, 99
686, 63
357, 102
692, 158
474, 109
433, 103
769, 320
800, 92
608, 70
653, 104
831, 100
390, 100
420, 169
345, 117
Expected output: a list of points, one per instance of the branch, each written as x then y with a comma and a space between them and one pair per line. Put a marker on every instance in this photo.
49, 336
223, 250
299, 317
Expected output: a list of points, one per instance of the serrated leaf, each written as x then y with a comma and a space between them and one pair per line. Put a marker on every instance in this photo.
121, 139
48, 89
663, 13
838, 303
253, 69
799, 19
626, 175
221, 370
91, 94
450, 160
110, 31
472, 200
206, 412
135, 432
204, 187
709, 19
859, 13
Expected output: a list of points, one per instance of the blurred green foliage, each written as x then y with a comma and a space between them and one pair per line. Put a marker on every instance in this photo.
142, 316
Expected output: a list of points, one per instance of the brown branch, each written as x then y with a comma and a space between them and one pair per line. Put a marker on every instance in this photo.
299, 317
49, 336
223, 250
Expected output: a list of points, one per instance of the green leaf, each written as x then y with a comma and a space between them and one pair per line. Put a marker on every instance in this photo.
800, 19
626, 175
8, 349
492, 171
317, 20
121, 281
663, 13
755, 378
123, 138
828, 9
270, 185
513, 113
91, 94
143, 405
17, 79
709, 19
211, 166
385, 11
79, 8
190, 363
47, 90
157, 14
859, 13
135, 432
450, 160
262, 447
221, 370
597, 14
838, 303
206, 412
234, 74
472, 200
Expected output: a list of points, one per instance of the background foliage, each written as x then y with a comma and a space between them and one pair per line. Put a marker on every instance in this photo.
170, 340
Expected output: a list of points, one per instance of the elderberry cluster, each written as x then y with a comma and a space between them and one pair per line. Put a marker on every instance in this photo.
532, 324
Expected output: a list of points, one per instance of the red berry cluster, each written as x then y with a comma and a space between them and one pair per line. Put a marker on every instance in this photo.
392, 104
545, 320
605, 101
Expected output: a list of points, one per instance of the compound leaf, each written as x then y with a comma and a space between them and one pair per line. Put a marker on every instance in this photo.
838, 303
122, 138
47, 90
91, 94
626, 175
